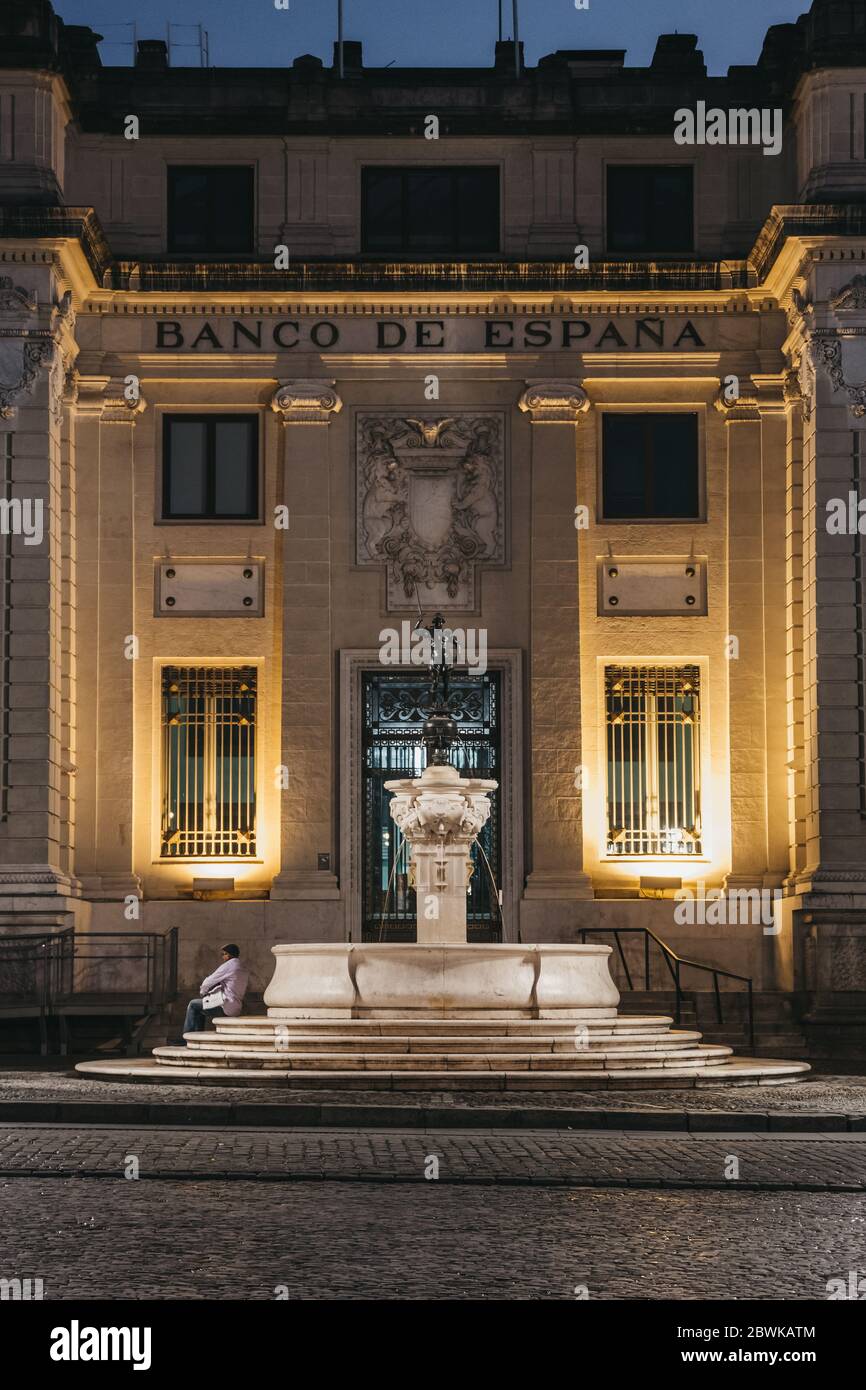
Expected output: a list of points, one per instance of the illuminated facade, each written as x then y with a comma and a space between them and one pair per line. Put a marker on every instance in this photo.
277, 354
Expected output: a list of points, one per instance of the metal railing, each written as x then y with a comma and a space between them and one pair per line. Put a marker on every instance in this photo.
141, 964
424, 275
675, 964
52, 974
26, 966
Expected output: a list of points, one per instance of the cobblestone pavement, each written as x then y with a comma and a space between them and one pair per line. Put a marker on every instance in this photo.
836, 1162
841, 1095
203, 1240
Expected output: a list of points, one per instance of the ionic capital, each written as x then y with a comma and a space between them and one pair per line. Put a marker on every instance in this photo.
553, 402
311, 401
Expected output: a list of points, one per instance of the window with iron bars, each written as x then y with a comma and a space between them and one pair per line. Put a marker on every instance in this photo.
208, 762
653, 760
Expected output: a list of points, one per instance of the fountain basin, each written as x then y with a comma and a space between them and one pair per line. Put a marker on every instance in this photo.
465, 980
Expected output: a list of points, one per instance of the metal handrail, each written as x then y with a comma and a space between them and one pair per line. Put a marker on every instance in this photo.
53, 958
39, 955
675, 963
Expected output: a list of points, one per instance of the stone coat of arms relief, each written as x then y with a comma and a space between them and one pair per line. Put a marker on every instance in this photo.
430, 503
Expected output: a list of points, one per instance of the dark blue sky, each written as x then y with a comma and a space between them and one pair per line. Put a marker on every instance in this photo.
433, 33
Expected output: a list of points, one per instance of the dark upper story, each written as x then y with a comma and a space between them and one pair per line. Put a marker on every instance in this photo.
230, 164
571, 91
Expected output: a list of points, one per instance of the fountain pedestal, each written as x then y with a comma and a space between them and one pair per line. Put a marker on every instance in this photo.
441, 814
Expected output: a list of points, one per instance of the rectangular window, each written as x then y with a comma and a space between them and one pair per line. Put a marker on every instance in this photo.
653, 760
650, 208
211, 209
210, 468
432, 211
650, 466
208, 762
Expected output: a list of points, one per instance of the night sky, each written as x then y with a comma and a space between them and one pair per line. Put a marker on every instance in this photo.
434, 33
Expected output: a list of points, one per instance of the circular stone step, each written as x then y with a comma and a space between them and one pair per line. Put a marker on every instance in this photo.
317, 1042
737, 1071
688, 1057
265, 1028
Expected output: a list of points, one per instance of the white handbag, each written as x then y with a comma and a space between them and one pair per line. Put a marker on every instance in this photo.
215, 1000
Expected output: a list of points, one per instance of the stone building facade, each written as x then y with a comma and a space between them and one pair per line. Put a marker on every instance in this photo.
285, 356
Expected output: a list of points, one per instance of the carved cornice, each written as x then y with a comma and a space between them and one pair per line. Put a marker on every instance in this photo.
16, 301
805, 370
121, 403
745, 409
306, 401
798, 388
792, 390
549, 402
851, 298
801, 311
71, 386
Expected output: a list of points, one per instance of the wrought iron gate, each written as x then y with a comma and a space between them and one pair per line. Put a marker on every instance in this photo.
395, 706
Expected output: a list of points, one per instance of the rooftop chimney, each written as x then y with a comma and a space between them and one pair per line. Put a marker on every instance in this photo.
152, 55
504, 61
679, 53
353, 56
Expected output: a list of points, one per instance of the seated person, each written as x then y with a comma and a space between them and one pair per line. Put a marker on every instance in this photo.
231, 979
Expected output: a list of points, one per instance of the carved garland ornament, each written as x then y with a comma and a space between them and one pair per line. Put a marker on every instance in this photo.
26, 348
36, 354
430, 503
828, 352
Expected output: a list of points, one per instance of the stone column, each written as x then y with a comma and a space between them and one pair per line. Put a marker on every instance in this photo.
834, 472
746, 668
69, 623
307, 826
828, 343
554, 409
796, 404
106, 678
774, 425
36, 882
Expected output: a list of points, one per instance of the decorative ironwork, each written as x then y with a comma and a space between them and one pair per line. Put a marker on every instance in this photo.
322, 276
653, 760
396, 706
209, 762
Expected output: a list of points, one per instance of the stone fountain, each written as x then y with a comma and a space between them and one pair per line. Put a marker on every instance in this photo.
444, 1013
441, 814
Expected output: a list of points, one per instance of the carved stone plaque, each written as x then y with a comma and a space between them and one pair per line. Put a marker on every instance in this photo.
430, 503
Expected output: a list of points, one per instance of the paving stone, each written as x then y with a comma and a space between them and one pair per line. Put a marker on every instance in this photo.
822, 1095
560, 1157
